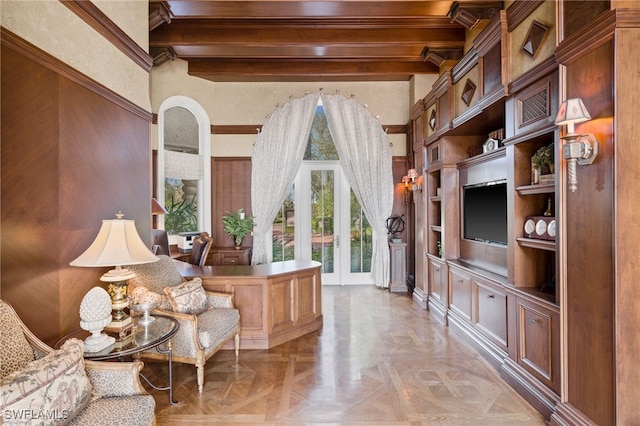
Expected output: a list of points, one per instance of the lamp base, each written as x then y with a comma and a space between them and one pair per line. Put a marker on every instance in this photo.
120, 324
98, 342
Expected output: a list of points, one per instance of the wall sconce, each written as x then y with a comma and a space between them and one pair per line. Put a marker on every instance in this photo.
577, 149
410, 185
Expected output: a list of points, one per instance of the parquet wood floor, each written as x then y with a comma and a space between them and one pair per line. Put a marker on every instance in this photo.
378, 360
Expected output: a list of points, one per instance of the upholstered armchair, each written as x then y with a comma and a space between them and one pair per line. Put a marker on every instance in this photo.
36, 380
207, 319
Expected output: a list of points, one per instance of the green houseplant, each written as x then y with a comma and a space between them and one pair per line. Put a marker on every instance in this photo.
237, 225
543, 159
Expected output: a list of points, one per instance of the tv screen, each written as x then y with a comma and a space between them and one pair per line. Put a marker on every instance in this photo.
485, 212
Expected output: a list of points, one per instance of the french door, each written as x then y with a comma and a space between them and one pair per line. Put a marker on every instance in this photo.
330, 226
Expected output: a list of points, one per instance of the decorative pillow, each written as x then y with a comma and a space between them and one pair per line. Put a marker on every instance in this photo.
15, 350
156, 276
188, 297
50, 390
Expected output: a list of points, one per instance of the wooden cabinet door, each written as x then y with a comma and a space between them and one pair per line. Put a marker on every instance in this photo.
491, 314
460, 293
538, 342
437, 286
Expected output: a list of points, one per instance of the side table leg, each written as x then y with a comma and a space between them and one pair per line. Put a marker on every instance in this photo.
169, 353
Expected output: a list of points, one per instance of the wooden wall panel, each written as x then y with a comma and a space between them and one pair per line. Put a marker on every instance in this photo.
590, 272
71, 157
230, 190
29, 191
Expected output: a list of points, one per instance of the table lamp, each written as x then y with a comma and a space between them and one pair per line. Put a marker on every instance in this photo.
117, 244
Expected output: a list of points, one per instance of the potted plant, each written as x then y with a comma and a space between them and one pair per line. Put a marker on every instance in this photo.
237, 225
542, 163
543, 159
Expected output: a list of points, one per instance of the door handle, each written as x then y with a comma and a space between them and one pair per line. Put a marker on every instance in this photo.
337, 241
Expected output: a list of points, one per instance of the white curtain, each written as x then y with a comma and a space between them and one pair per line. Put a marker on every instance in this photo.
277, 156
365, 157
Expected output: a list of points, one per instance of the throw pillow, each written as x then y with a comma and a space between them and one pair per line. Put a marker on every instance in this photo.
188, 297
156, 276
15, 351
50, 390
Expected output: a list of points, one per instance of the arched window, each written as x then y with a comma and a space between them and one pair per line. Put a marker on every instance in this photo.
184, 165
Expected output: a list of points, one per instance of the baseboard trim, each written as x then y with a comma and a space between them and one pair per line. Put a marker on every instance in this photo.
535, 393
567, 415
486, 348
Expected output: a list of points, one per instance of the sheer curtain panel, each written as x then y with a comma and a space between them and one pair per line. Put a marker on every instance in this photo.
277, 156
365, 157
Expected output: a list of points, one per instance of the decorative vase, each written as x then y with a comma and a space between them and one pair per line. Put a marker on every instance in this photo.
535, 175
237, 244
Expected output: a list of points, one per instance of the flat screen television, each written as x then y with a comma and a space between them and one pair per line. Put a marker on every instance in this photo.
484, 212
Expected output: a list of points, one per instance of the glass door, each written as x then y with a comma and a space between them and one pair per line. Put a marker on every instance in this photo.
330, 227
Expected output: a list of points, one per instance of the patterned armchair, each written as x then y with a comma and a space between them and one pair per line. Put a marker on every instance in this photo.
207, 320
37, 381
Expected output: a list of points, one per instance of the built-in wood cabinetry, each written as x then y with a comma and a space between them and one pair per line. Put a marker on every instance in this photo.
501, 296
509, 300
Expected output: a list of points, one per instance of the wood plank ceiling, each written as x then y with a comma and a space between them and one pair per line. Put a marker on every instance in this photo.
276, 40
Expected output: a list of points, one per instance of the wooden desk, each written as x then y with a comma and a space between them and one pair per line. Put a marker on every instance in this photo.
278, 302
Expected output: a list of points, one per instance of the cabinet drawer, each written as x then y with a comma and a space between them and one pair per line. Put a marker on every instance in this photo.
229, 259
491, 315
461, 294
230, 256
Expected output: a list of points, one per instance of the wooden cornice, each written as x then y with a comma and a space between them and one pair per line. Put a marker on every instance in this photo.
417, 109
491, 35
101, 23
548, 66
470, 14
519, 11
598, 32
467, 62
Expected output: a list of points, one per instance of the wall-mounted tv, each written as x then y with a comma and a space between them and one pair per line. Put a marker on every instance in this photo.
484, 212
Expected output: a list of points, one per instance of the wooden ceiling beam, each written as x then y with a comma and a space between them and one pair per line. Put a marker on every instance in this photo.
365, 51
294, 9
307, 70
202, 35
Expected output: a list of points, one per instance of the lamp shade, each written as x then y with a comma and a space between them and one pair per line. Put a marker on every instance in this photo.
405, 179
157, 208
117, 244
572, 111
412, 174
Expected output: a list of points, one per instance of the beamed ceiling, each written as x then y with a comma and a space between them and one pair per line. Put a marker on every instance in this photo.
277, 40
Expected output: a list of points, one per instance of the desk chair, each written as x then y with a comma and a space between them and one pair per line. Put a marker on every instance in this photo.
200, 249
160, 242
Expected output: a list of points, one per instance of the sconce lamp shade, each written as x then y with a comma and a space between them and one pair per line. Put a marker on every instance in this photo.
572, 111
117, 244
412, 174
157, 208
405, 180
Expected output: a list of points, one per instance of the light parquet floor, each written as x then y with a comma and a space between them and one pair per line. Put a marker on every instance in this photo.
378, 360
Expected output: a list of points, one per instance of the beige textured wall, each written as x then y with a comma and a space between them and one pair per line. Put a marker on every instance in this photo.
521, 61
251, 103
52, 27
